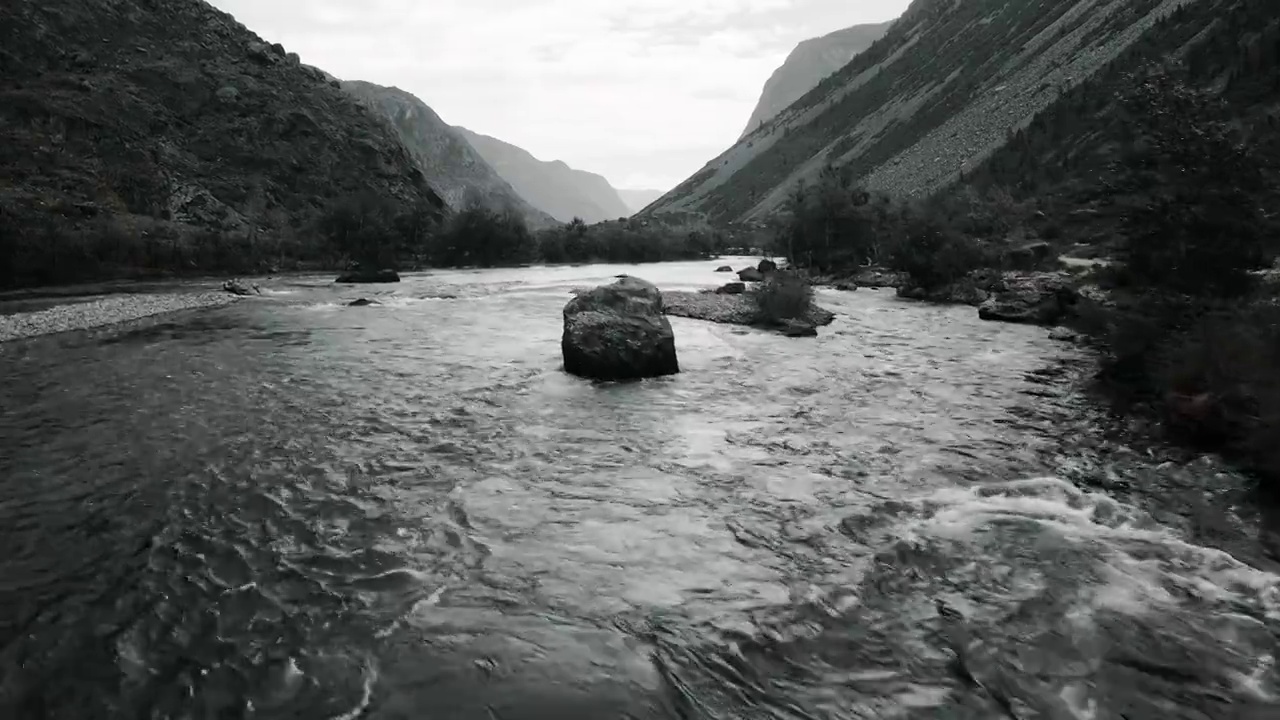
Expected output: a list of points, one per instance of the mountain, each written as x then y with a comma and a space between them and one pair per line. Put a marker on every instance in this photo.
637, 200
948, 85
806, 66
457, 169
136, 133
551, 186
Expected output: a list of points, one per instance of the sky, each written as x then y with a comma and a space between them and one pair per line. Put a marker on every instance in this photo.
644, 92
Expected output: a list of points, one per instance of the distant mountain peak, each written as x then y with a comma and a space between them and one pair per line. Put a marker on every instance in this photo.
445, 157
806, 66
550, 185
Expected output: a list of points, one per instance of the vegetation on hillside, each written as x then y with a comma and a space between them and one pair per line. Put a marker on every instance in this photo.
1177, 185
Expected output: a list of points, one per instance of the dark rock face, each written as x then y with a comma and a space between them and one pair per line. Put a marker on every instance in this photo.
175, 118
369, 276
1041, 299
618, 332
767, 266
724, 268
750, 275
733, 288
363, 302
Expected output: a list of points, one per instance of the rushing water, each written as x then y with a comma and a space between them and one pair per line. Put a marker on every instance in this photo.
289, 508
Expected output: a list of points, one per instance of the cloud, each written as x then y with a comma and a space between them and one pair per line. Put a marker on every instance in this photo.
643, 92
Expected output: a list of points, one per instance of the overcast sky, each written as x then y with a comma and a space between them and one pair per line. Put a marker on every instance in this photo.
644, 92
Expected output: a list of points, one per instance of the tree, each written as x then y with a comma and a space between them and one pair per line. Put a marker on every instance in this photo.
1190, 195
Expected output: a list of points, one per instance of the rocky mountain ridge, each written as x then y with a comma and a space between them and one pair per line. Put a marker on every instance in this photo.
551, 186
806, 66
946, 87
444, 154
130, 127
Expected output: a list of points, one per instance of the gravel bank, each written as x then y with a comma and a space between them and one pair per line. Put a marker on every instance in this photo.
106, 311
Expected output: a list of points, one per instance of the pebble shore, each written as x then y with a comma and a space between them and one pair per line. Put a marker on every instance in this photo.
106, 311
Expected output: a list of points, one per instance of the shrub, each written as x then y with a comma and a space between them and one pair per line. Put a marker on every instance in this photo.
935, 256
782, 296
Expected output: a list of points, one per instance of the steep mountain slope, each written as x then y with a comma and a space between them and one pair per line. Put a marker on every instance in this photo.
551, 186
637, 200
806, 66
458, 171
934, 97
1058, 166
145, 122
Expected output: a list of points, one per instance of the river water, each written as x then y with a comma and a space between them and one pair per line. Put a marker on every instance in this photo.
289, 508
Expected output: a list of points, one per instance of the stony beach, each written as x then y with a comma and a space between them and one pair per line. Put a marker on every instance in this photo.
109, 310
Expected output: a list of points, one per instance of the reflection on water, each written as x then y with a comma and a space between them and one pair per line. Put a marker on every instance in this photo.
290, 508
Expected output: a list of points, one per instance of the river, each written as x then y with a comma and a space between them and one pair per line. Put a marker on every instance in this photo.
290, 508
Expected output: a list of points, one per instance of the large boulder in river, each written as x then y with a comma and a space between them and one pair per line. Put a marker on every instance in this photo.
750, 275
1039, 299
767, 266
618, 332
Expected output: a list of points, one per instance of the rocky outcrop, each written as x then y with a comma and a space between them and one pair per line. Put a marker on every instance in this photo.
551, 186
459, 172
1039, 299
174, 121
806, 66
618, 332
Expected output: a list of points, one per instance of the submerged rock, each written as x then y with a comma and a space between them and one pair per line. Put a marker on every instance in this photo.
618, 332
240, 287
363, 302
733, 310
369, 276
724, 268
797, 328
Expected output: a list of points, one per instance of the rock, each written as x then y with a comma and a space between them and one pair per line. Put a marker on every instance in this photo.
260, 52
733, 288
1040, 299
846, 285
729, 309
798, 328
293, 59
618, 332
878, 278
228, 93
767, 266
369, 276
363, 302
1062, 334
239, 287
750, 275
724, 268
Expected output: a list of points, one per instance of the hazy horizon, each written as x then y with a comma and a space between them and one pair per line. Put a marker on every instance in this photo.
643, 92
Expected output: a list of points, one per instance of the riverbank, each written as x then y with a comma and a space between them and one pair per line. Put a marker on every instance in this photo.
110, 310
